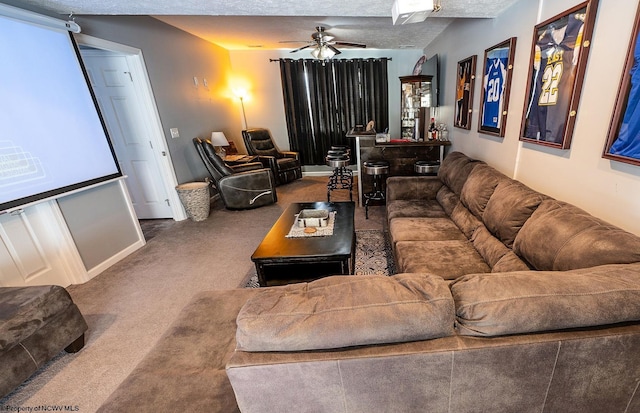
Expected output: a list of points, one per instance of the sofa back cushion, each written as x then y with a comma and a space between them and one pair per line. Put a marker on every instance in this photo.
529, 301
455, 169
495, 253
343, 311
465, 220
447, 199
511, 204
560, 236
479, 187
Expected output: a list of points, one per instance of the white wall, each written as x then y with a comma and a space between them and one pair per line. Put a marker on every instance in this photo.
608, 189
265, 107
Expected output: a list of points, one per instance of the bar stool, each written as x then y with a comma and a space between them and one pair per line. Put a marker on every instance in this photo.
426, 167
338, 157
379, 170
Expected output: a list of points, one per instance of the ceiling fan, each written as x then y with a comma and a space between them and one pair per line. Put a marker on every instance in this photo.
323, 43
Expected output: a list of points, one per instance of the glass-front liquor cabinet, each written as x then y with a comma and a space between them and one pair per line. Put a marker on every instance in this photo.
416, 102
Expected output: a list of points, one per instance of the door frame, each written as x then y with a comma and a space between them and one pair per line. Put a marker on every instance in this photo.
149, 112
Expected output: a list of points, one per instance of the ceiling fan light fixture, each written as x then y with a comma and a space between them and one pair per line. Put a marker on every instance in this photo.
411, 11
322, 53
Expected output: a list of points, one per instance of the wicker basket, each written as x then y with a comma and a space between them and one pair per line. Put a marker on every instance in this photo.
195, 199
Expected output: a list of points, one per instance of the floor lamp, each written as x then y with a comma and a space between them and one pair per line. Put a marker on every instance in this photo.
244, 115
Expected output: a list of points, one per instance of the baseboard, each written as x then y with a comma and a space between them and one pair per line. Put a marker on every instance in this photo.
114, 259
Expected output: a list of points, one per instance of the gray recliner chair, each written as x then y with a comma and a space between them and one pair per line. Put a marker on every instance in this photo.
240, 187
285, 165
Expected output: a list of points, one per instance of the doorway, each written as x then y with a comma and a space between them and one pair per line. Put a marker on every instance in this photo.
121, 85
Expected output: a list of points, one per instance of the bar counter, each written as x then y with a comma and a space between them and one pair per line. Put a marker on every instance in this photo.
401, 157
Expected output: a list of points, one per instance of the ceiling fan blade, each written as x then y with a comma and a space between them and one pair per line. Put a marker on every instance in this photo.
293, 41
350, 44
300, 48
336, 51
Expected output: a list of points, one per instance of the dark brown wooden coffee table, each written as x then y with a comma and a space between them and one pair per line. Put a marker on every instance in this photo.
281, 260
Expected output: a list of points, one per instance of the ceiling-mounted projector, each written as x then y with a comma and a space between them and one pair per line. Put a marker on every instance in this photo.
411, 11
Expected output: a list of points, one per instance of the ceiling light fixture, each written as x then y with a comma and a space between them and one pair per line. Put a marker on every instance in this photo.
323, 52
411, 11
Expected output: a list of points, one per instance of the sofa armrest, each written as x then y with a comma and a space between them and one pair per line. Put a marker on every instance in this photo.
531, 301
269, 162
291, 154
412, 187
251, 166
336, 312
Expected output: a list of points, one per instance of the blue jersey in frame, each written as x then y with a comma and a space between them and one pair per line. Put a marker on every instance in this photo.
493, 88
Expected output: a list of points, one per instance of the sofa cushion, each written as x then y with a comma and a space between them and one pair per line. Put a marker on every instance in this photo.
412, 187
510, 262
339, 311
455, 169
447, 199
452, 258
414, 208
530, 301
560, 236
424, 229
23, 310
511, 204
479, 187
495, 253
465, 220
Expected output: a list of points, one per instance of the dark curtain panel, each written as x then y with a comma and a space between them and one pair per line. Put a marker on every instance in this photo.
323, 100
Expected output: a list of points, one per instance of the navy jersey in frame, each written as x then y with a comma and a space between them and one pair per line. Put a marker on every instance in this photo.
555, 64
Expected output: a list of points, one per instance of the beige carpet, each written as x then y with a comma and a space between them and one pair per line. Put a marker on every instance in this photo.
130, 305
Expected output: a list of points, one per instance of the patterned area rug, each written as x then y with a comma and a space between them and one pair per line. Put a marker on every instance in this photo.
373, 255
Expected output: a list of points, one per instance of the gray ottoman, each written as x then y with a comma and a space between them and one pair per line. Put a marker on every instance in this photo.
36, 323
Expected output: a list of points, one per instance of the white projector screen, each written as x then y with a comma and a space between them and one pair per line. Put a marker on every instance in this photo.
52, 137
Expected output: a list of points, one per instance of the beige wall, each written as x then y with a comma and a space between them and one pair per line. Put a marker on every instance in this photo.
607, 189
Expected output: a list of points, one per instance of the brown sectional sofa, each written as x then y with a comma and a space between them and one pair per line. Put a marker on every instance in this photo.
506, 301
482, 221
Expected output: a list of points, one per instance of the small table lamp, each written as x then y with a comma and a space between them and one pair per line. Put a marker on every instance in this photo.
219, 141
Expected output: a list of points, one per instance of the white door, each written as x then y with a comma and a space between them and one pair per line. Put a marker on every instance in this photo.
113, 84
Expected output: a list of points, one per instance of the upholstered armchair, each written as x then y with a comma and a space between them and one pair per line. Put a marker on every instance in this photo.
285, 165
241, 187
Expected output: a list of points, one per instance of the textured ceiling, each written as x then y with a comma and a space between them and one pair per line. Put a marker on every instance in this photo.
247, 24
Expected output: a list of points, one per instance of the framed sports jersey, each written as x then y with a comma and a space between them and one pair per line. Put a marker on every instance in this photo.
559, 54
623, 141
496, 84
465, 81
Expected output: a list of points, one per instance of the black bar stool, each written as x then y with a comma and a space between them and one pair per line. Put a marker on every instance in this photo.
379, 170
338, 157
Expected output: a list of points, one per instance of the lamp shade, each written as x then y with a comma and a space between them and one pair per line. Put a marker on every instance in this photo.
218, 139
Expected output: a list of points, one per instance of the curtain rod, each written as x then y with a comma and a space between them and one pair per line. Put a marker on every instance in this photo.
373, 58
